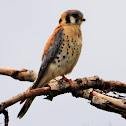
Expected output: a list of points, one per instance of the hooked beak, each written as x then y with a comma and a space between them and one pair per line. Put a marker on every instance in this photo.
83, 19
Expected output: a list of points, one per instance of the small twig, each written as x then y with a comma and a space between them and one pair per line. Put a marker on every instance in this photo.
6, 117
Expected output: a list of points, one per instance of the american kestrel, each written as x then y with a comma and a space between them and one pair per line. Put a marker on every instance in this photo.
61, 52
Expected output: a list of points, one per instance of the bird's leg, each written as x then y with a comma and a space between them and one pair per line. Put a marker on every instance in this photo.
66, 79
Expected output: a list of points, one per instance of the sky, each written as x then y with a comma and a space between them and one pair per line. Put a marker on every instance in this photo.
26, 25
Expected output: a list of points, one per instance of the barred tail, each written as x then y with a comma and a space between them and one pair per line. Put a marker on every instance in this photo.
25, 107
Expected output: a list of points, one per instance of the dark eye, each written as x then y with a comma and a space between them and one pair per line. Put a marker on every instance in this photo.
75, 15
60, 20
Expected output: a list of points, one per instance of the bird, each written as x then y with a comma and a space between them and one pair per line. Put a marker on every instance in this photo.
61, 52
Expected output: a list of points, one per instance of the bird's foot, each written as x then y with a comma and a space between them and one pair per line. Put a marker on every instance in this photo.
66, 79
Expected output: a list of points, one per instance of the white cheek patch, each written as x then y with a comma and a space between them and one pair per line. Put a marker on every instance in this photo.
72, 20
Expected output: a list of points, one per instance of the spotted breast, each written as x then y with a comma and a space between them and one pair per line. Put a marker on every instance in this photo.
69, 50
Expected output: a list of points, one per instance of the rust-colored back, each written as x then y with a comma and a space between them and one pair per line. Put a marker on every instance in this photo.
51, 39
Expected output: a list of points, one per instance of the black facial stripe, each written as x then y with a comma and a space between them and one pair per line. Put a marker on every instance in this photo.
77, 20
67, 19
60, 20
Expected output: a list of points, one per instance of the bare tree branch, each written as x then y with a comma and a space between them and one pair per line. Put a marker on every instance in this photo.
84, 87
58, 87
22, 75
96, 83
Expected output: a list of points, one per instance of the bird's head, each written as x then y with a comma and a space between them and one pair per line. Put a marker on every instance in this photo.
71, 17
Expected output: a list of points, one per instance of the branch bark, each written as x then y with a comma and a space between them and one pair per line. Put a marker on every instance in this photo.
84, 87
22, 75
97, 83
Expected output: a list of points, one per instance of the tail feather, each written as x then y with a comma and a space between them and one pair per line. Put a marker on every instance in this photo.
25, 107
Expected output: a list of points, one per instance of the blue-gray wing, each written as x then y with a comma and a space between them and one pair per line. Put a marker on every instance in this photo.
49, 55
